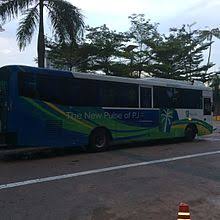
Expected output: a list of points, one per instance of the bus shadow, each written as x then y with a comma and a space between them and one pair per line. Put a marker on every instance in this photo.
21, 154
152, 143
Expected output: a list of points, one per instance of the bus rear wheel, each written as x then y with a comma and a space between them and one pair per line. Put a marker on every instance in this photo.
190, 133
98, 140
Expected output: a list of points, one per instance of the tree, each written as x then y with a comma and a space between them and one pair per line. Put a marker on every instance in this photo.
141, 51
65, 18
69, 56
208, 35
180, 56
107, 46
142, 33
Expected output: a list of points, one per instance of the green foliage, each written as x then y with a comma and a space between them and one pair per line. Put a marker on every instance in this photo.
66, 20
107, 47
26, 27
142, 34
140, 52
180, 56
69, 56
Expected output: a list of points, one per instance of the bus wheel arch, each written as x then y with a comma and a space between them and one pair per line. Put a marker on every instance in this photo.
190, 132
99, 139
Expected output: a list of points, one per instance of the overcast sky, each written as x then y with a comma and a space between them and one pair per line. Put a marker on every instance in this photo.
114, 13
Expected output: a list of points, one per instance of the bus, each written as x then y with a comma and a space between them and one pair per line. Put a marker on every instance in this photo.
53, 108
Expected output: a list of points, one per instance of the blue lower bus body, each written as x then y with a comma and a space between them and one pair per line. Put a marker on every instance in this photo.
37, 123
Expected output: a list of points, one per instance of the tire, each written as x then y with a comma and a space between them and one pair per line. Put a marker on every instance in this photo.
99, 140
190, 133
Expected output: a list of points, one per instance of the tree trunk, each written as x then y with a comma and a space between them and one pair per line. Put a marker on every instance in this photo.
41, 42
139, 73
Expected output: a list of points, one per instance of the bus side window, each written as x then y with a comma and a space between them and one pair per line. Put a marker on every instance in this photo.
27, 85
163, 97
146, 99
118, 95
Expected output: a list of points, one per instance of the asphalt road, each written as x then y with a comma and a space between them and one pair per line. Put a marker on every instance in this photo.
140, 182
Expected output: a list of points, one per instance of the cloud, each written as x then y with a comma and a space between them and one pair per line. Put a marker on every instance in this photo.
5, 51
6, 46
203, 5
156, 8
10, 54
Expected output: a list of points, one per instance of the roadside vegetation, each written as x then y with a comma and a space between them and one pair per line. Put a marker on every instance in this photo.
141, 51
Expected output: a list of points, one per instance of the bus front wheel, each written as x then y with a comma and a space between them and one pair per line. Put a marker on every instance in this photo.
190, 133
98, 140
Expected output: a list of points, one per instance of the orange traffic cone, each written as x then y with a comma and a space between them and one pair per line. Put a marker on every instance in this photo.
183, 213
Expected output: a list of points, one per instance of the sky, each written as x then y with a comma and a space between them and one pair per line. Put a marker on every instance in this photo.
114, 13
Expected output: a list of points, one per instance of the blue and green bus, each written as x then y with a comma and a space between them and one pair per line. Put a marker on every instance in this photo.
43, 107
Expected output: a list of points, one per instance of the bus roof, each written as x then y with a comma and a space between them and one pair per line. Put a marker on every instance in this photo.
148, 81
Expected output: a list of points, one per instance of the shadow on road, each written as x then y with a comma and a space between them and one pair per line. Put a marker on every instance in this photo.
16, 154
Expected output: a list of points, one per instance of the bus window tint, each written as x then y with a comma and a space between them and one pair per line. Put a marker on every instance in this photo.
188, 98
88, 93
27, 85
77, 92
146, 97
163, 97
118, 95
108, 94
67, 91
127, 96
167, 97
50, 89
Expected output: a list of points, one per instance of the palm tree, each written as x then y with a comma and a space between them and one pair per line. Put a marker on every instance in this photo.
208, 35
66, 20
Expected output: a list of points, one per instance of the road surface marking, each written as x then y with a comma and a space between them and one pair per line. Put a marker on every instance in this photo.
102, 170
